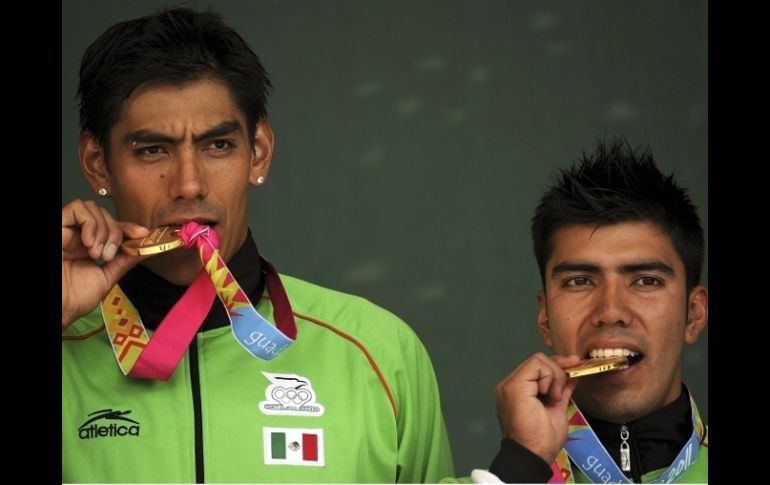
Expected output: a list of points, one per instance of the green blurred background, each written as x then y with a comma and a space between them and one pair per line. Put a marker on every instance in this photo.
415, 137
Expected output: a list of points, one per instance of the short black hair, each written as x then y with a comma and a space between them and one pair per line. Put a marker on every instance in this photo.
174, 46
614, 184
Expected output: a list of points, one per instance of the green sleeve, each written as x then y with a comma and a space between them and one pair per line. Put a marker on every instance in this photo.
424, 454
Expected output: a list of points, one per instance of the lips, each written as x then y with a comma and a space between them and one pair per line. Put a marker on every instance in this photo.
181, 221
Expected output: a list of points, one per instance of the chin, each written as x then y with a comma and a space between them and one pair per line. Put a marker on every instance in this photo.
614, 405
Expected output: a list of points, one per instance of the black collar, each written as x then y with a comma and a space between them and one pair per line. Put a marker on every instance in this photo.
153, 296
655, 439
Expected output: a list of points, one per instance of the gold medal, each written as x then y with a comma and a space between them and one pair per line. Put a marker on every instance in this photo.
595, 366
161, 239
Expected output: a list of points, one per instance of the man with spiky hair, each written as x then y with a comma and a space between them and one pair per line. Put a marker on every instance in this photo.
620, 248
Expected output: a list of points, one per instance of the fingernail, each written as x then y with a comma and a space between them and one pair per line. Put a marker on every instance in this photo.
109, 252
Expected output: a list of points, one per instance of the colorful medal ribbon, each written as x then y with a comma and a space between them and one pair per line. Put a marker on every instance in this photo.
587, 452
157, 357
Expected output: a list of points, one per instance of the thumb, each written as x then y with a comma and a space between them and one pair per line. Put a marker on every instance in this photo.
566, 393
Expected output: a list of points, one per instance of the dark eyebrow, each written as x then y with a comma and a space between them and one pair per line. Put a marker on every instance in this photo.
574, 268
222, 129
653, 266
149, 136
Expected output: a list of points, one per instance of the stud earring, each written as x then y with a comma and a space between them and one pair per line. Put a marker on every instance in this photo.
260, 180
103, 192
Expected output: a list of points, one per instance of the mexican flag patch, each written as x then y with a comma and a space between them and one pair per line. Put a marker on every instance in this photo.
294, 446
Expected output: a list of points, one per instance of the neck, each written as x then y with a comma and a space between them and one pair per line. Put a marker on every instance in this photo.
654, 440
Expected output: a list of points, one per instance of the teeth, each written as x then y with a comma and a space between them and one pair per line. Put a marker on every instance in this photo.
600, 353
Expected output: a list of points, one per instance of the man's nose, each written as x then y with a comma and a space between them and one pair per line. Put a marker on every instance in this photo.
612, 306
189, 177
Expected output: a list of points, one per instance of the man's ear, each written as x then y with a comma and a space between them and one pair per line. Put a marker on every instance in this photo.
697, 313
262, 153
92, 163
543, 328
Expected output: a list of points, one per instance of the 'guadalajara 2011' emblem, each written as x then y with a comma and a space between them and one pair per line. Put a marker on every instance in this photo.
290, 394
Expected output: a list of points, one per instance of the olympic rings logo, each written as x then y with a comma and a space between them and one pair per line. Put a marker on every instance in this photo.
287, 396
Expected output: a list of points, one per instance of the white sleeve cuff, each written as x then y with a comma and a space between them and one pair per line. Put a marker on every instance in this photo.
483, 476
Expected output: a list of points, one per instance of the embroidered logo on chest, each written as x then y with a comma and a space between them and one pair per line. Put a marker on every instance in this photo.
290, 395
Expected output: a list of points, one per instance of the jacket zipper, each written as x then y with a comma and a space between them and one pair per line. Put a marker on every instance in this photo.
625, 450
198, 419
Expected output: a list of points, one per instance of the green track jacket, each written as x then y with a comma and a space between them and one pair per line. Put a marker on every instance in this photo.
354, 399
